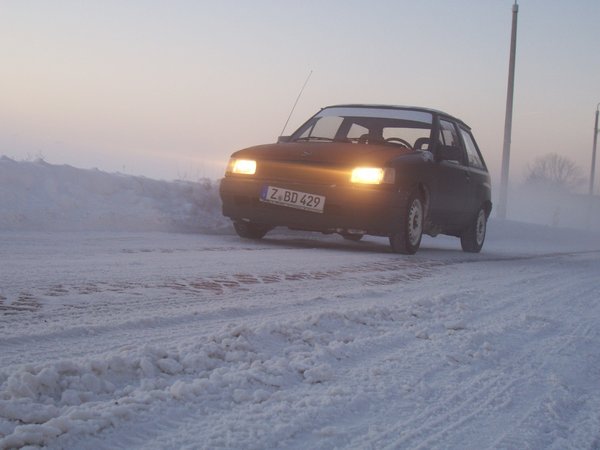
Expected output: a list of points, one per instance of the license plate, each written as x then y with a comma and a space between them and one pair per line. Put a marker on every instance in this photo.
292, 199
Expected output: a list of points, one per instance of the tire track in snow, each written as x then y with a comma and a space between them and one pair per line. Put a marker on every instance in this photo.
25, 303
123, 304
220, 284
154, 310
489, 393
401, 270
545, 413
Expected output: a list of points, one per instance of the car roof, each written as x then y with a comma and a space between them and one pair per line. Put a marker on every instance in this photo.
412, 108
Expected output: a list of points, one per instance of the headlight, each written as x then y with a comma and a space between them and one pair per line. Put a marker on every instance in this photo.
372, 175
242, 166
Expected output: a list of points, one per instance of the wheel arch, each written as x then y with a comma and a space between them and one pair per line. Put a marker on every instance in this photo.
487, 206
425, 194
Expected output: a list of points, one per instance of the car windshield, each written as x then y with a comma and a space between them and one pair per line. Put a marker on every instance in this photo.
404, 127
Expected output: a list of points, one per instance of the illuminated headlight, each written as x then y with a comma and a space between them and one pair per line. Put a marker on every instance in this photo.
242, 166
372, 175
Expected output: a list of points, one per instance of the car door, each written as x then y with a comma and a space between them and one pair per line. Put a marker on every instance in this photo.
452, 180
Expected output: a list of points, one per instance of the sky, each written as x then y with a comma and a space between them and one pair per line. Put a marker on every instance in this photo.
169, 89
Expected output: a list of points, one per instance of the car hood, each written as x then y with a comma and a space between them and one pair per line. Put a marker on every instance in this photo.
330, 153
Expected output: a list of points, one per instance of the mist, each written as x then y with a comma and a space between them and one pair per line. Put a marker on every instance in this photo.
39, 196
554, 208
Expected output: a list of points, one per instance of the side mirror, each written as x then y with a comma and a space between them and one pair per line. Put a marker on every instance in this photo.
283, 139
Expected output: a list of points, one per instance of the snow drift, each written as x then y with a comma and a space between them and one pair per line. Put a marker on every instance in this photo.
41, 196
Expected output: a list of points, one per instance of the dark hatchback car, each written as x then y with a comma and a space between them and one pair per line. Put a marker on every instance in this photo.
365, 169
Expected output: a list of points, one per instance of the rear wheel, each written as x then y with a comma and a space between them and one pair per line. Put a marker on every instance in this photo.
250, 230
407, 238
473, 237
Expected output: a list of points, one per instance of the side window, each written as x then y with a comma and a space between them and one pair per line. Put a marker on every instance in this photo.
418, 138
449, 138
472, 153
448, 134
325, 128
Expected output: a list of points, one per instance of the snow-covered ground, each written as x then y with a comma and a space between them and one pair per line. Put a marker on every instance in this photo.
142, 338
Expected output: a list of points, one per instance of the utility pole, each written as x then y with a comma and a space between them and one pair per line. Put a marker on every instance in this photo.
593, 172
508, 119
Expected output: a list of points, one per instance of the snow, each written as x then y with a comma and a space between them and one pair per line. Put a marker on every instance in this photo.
127, 333
36, 195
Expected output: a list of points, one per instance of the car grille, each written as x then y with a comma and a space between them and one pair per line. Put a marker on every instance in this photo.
303, 172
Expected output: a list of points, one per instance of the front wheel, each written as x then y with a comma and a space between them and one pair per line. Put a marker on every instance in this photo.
249, 230
407, 238
473, 237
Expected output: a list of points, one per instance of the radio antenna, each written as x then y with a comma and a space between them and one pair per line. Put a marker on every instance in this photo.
295, 103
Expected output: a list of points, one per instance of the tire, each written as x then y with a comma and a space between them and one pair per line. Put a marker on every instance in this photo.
473, 237
248, 230
352, 237
407, 239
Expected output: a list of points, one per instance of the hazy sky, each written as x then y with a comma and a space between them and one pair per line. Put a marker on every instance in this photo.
168, 89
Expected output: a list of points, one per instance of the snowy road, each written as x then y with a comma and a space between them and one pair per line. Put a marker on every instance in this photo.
157, 340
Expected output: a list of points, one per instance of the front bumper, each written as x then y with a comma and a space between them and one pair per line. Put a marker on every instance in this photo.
373, 210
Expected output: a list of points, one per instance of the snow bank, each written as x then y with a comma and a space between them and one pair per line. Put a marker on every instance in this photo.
41, 196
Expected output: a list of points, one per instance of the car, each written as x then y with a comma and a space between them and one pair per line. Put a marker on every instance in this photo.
355, 170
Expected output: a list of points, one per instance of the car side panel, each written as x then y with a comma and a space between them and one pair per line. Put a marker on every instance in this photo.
450, 195
480, 190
